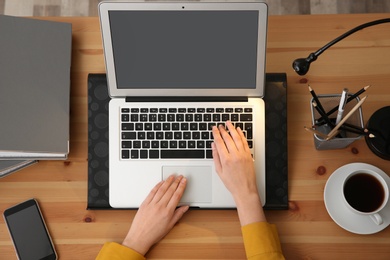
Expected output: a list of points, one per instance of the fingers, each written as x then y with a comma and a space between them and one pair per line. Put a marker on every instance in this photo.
229, 142
175, 194
179, 212
217, 160
152, 193
168, 192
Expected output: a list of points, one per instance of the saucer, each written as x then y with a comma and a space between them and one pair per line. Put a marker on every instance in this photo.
345, 218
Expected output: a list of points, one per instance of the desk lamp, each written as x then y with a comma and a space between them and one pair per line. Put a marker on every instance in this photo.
379, 122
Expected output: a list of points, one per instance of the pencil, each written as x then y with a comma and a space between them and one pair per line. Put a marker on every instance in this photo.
322, 113
334, 130
314, 95
350, 98
316, 132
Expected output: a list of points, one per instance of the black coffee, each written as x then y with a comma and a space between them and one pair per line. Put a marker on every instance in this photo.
364, 192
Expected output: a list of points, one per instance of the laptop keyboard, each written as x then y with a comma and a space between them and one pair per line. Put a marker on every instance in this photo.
177, 133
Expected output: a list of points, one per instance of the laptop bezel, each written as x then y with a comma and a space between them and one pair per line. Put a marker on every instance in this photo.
114, 91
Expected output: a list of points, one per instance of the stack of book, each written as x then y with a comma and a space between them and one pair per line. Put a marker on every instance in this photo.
35, 61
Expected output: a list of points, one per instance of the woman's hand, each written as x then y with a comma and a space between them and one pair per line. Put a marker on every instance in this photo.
157, 215
234, 165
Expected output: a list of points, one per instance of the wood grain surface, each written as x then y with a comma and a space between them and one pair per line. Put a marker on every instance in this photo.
306, 230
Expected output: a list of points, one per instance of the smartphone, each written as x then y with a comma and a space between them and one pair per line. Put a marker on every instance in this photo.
29, 232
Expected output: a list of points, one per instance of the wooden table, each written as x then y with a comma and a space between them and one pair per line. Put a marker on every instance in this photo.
306, 229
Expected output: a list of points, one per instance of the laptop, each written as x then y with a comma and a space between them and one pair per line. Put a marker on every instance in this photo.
173, 71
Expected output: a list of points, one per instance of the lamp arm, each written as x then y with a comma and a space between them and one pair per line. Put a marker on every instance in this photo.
345, 35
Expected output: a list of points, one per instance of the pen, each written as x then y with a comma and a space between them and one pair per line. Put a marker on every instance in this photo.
343, 101
352, 97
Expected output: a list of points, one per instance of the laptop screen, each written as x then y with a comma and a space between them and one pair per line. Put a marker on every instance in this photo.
155, 49
191, 49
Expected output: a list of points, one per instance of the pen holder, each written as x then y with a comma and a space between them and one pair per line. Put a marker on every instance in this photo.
344, 138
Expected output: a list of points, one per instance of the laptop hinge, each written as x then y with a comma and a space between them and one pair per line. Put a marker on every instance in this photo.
186, 99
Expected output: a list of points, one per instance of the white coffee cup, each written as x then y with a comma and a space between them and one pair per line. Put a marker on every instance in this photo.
365, 192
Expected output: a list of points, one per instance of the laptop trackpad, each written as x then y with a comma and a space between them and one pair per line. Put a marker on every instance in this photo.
198, 188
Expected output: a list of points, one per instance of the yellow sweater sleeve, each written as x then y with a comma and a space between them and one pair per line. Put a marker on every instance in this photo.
261, 241
115, 251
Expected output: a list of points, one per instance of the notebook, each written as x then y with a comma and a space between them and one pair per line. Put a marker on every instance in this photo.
35, 61
173, 68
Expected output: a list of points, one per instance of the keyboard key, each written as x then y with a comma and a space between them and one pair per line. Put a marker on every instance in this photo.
125, 118
184, 126
179, 117
200, 144
189, 117
175, 126
172, 144
125, 110
246, 117
164, 144
139, 126
191, 144
129, 135
159, 135
182, 144
156, 126
134, 117
182, 154
177, 135
128, 126
234, 117
125, 154
152, 117
207, 117
141, 135
186, 135
148, 126
134, 154
154, 154
126, 144
143, 154
193, 126
202, 126
143, 117
136, 144
168, 135
145, 144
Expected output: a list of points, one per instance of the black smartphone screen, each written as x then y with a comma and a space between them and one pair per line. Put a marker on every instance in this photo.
28, 231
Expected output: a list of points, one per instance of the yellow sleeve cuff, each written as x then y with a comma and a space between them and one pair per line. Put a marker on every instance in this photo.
115, 251
261, 241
